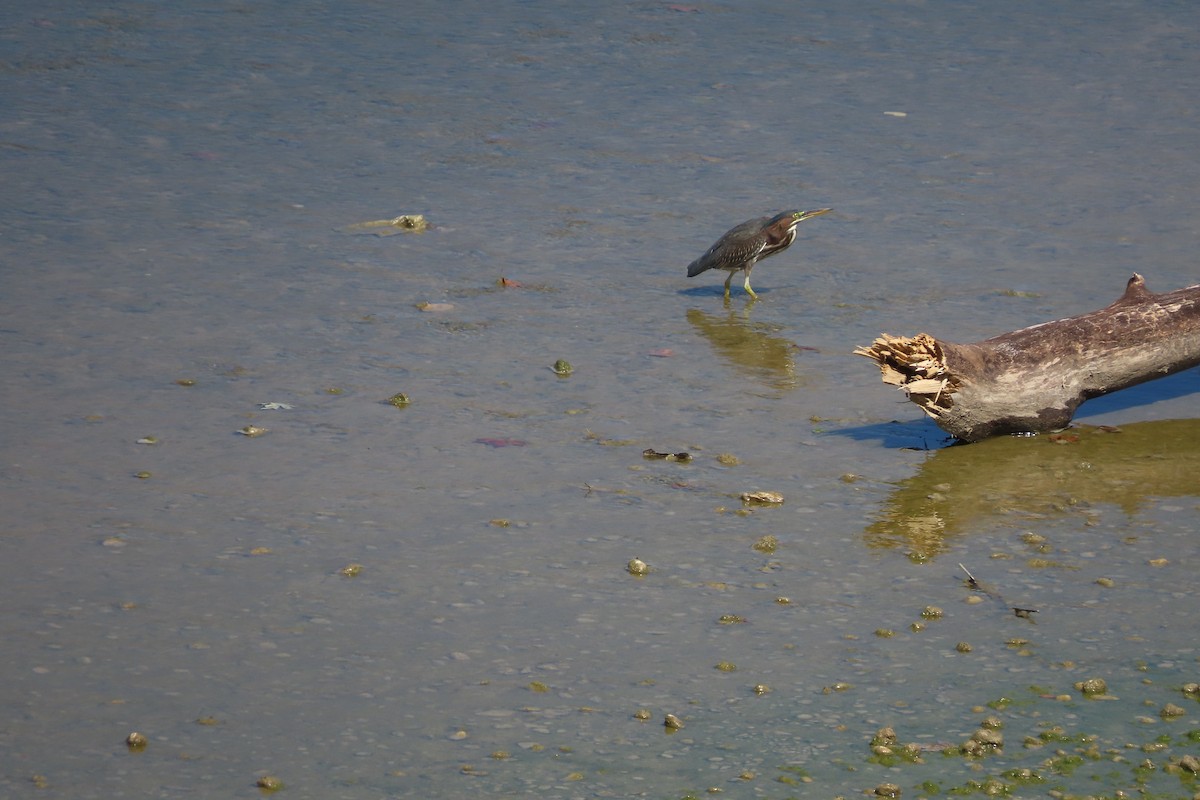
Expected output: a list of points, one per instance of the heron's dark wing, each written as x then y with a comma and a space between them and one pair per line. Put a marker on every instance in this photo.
733, 250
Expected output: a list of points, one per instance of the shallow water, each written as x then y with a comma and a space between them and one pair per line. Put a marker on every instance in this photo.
178, 182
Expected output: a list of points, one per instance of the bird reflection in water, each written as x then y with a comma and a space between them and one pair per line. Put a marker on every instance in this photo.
754, 349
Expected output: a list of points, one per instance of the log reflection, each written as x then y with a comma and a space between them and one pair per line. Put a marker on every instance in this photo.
959, 488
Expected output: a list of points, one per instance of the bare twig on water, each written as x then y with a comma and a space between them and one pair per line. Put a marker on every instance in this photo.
974, 584
1023, 613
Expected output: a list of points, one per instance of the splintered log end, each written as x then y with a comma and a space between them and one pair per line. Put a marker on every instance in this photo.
917, 365
1035, 378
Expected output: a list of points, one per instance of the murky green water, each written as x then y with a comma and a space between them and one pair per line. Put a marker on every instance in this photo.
178, 180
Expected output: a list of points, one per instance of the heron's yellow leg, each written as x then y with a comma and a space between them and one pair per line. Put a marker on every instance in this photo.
749, 291
727, 282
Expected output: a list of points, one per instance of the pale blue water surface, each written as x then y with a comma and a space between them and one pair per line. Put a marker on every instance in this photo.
177, 181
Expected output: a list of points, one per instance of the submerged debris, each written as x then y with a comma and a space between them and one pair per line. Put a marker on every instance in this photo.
1190, 763
1171, 711
654, 454
1092, 687
405, 223
637, 567
884, 736
762, 498
252, 431
886, 749
136, 741
672, 722
562, 368
592, 436
399, 400
766, 544
269, 783
983, 742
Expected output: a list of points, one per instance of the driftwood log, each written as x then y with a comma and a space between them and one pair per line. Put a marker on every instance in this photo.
1033, 380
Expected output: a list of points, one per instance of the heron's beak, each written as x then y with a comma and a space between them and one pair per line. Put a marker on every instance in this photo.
803, 215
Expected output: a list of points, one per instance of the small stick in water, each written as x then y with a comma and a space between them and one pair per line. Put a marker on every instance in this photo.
974, 584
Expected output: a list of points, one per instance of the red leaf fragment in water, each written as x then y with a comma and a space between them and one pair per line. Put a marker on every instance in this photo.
664, 352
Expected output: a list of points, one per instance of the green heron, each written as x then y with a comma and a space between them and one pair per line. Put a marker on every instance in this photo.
752, 241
